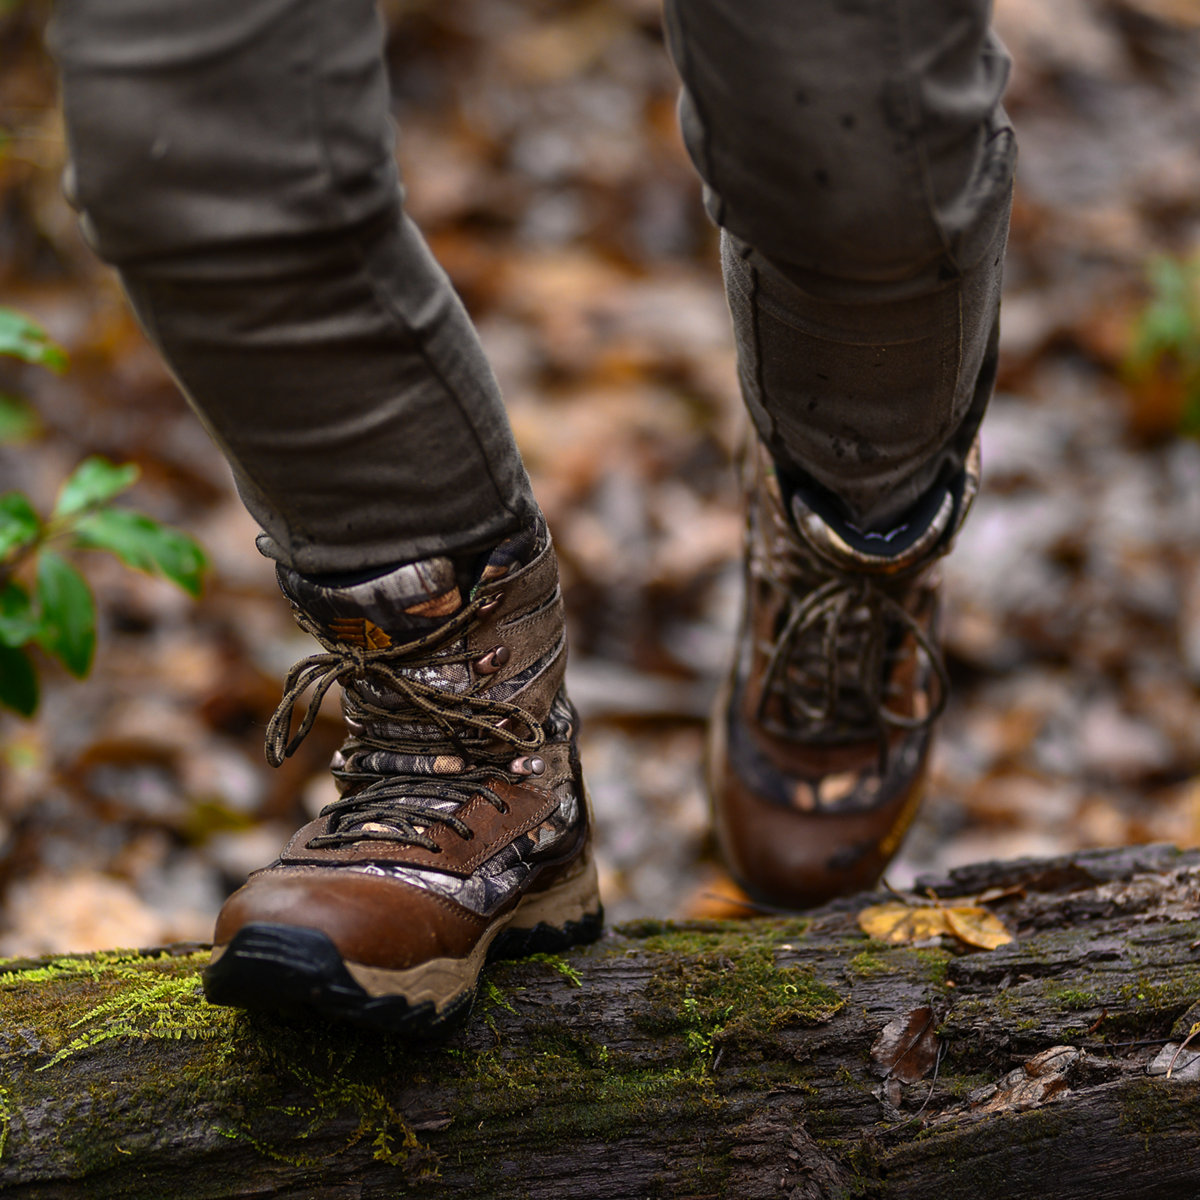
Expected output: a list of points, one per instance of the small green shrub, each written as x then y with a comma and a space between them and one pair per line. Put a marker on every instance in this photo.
44, 599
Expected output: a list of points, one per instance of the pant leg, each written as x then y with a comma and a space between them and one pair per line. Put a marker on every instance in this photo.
856, 156
234, 160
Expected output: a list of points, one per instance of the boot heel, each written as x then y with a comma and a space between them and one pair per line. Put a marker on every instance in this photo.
571, 900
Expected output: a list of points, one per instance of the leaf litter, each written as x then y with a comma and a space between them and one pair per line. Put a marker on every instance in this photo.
564, 207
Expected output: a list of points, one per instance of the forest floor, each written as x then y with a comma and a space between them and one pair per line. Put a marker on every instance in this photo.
541, 155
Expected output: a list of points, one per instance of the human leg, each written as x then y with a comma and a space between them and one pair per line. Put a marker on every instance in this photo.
234, 162
860, 166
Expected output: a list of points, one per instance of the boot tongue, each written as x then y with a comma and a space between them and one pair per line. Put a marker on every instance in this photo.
400, 605
372, 613
407, 600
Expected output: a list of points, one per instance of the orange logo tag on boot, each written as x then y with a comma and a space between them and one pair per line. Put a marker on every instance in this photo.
358, 631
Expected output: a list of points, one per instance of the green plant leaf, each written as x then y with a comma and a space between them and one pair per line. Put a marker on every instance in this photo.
18, 421
19, 622
68, 615
19, 524
140, 542
25, 339
1170, 322
18, 681
95, 481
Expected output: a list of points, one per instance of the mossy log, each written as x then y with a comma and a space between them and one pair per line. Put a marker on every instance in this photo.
781, 1057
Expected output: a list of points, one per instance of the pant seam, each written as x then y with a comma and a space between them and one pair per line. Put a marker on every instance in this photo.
379, 292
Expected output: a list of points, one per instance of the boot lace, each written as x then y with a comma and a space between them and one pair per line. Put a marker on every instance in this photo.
833, 659
466, 726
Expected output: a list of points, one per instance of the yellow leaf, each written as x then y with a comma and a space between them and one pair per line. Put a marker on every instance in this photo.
976, 927
900, 923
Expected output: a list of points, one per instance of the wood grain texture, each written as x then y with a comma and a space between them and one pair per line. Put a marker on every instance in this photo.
695, 1060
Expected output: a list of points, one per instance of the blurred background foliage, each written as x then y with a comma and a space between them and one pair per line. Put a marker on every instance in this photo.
539, 147
1162, 366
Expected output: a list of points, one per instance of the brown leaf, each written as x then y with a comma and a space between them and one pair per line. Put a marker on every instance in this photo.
906, 1048
1040, 1080
992, 894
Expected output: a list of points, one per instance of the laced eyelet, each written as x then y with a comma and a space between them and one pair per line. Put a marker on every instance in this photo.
528, 765
492, 603
493, 660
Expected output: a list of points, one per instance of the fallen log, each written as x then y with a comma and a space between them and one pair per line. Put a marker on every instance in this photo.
782, 1057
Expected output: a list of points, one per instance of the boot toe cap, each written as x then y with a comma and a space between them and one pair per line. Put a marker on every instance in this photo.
371, 919
786, 839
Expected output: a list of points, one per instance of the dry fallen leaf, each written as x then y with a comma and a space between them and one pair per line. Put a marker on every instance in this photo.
976, 926
900, 924
1040, 1080
907, 1047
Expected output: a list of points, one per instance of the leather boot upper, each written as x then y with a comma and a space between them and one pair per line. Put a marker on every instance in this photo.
459, 782
821, 737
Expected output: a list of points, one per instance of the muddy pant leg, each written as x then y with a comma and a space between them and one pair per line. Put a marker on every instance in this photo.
234, 160
856, 156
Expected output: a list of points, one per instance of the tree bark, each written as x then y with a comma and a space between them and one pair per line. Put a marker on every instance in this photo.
780, 1057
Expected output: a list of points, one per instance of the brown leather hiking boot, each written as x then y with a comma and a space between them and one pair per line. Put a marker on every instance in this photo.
462, 831
818, 746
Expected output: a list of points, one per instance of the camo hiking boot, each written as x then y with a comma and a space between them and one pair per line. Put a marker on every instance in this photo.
462, 829
820, 738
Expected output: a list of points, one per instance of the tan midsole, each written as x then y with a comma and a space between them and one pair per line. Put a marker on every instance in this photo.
570, 899
439, 980
443, 980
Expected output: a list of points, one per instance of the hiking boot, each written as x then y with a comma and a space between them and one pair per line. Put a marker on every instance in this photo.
819, 743
462, 829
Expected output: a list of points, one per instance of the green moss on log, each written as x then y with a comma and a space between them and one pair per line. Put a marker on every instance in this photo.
118, 1071
278, 1087
869, 963
720, 983
68, 1008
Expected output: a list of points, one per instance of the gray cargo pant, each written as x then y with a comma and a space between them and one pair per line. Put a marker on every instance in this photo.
233, 159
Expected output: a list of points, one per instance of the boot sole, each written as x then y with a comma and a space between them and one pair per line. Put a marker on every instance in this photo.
295, 970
